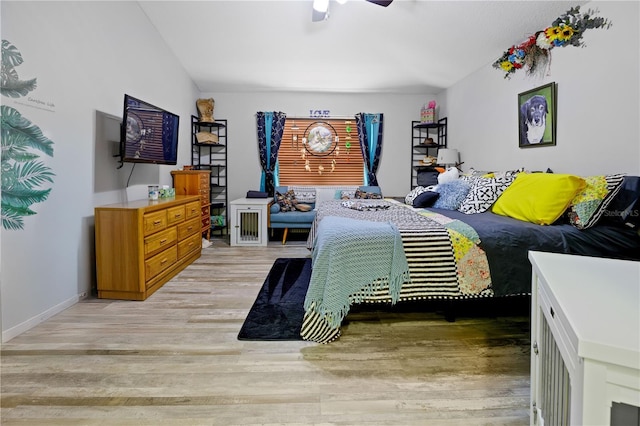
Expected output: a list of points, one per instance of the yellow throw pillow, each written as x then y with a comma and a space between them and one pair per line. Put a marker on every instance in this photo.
538, 197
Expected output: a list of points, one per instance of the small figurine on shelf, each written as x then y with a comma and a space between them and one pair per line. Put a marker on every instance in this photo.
205, 110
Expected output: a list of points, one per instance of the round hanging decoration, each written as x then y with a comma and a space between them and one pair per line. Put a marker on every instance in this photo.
321, 139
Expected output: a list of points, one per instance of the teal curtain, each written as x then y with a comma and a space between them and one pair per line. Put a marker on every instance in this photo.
270, 129
370, 138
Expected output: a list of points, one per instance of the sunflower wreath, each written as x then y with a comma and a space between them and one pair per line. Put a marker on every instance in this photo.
534, 54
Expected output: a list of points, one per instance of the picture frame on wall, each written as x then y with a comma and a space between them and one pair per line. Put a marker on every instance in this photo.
537, 116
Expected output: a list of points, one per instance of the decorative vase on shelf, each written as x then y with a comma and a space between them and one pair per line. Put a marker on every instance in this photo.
205, 110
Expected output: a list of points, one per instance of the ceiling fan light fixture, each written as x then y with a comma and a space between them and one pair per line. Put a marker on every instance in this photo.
320, 11
321, 6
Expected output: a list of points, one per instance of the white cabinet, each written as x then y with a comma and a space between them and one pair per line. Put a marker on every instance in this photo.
585, 337
249, 221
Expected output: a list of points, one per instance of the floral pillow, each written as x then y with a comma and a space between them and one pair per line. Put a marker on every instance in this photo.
483, 193
588, 205
286, 201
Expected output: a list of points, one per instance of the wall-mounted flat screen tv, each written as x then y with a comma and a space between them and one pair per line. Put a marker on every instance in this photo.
149, 134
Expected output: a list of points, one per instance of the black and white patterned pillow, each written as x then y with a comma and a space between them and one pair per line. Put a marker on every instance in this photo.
483, 193
306, 196
413, 194
347, 194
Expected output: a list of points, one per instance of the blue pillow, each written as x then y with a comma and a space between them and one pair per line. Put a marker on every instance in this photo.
452, 194
426, 199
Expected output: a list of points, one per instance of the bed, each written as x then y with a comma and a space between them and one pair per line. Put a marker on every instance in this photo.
451, 255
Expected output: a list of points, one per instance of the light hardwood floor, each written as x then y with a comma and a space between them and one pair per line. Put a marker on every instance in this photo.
174, 359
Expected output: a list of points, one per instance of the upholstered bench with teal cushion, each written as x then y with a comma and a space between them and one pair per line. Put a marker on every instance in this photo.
283, 213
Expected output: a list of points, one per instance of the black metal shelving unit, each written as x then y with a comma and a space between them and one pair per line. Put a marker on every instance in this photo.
213, 156
420, 149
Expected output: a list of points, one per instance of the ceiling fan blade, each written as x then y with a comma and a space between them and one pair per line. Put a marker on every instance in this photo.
383, 3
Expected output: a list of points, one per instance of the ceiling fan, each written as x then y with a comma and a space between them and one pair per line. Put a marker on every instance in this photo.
321, 8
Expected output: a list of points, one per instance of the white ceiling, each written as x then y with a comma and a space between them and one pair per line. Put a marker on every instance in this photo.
412, 46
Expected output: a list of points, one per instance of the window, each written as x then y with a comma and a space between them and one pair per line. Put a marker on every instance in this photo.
348, 168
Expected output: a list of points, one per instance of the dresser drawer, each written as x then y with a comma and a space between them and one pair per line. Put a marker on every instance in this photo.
193, 210
204, 180
206, 217
204, 196
176, 214
159, 241
160, 262
205, 211
154, 222
189, 228
189, 245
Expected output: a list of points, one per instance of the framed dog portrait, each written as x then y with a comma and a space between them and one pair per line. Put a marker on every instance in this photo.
537, 116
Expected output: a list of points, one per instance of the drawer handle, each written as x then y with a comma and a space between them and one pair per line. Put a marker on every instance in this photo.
163, 241
178, 215
163, 261
190, 228
157, 222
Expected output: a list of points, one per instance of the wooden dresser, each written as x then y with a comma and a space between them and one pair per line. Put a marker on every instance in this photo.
196, 182
142, 244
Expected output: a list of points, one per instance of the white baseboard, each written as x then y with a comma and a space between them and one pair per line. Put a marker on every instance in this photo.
40, 318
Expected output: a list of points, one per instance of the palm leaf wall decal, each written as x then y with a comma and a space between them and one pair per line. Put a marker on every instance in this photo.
23, 132
11, 56
17, 88
19, 155
33, 173
22, 173
22, 197
12, 218
11, 85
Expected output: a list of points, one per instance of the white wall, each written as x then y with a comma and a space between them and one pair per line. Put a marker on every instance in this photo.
240, 110
598, 105
85, 56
